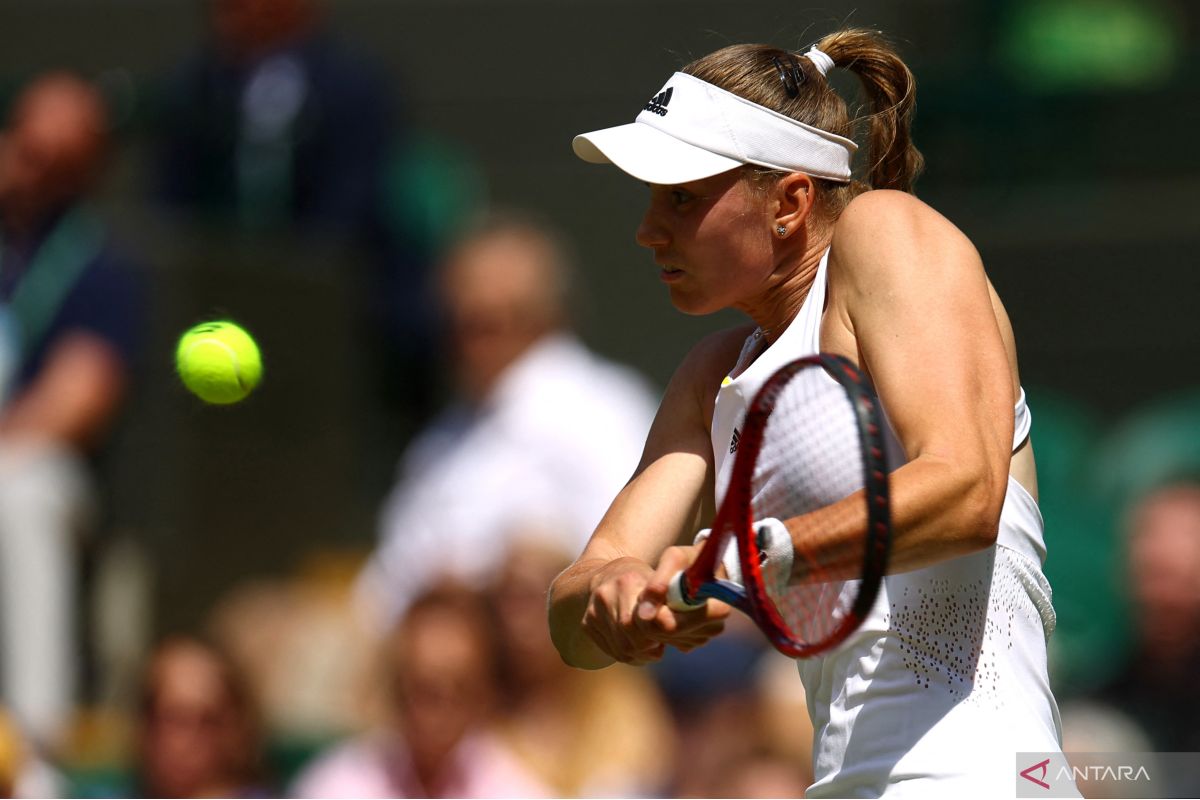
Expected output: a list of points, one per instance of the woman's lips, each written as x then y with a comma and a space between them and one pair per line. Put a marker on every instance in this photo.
669, 272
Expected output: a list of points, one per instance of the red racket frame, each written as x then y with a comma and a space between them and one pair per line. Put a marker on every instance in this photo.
735, 517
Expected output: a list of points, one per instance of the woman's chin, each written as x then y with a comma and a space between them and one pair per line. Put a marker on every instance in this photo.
692, 305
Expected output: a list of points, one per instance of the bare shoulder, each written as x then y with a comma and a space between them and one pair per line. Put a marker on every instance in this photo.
715, 354
700, 374
685, 413
890, 232
888, 205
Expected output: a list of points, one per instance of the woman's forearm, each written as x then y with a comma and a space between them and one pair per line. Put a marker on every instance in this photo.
940, 510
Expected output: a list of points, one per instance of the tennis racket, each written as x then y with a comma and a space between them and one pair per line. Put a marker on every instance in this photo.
811, 442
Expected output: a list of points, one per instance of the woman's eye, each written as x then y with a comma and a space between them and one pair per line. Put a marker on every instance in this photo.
679, 197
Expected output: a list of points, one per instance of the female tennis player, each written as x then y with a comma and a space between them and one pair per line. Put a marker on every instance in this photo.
747, 154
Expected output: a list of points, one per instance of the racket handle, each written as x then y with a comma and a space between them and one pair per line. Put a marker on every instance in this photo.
675, 599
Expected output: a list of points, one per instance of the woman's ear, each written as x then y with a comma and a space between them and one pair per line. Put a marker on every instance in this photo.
794, 196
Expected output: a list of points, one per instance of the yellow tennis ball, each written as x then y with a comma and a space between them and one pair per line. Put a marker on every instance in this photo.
218, 361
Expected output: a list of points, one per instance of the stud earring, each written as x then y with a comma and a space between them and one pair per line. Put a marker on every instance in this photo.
781, 230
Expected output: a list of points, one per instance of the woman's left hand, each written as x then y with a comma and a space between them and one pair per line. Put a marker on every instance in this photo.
684, 630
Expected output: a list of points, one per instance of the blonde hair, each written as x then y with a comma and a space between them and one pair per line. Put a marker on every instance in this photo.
765, 75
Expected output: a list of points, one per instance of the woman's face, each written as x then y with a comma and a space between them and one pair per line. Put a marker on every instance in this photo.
712, 241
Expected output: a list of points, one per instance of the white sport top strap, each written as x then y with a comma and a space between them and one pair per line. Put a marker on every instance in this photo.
808, 319
804, 338
1023, 421
806, 332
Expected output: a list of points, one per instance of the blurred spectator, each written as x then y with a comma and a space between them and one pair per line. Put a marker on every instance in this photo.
22, 773
543, 434
711, 693
1158, 686
10, 757
303, 651
559, 721
741, 718
199, 733
1091, 730
69, 311
275, 124
761, 772
442, 671
1157, 443
786, 731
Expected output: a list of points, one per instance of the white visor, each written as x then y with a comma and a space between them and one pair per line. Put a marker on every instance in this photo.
693, 129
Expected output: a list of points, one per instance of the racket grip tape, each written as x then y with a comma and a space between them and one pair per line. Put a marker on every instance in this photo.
675, 598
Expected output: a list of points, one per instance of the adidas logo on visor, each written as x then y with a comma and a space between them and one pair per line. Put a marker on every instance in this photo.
658, 104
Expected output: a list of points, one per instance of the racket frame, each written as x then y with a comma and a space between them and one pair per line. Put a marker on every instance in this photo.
735, 517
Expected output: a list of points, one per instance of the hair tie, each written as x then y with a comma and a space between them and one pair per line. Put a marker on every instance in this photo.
791, 75
821, 59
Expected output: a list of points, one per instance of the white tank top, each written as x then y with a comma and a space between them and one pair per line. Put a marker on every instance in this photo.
946, 679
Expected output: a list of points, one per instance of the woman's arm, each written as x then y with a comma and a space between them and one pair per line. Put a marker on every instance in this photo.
593, 604
911, 292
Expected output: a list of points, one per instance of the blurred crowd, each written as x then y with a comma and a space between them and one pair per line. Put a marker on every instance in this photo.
419, 664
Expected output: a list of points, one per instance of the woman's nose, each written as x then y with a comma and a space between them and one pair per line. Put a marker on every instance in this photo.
650, 232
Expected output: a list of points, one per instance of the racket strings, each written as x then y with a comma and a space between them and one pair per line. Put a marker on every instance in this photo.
811, 459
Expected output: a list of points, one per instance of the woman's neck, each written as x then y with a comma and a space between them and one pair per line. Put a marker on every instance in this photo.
775, 308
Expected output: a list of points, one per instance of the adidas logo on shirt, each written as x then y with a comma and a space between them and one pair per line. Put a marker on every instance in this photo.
733, 442
658, 103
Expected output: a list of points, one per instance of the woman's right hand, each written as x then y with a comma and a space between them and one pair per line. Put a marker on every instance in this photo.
627, 616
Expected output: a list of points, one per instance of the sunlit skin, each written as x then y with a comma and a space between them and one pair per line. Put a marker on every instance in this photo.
718, 245
713, 242
907, 299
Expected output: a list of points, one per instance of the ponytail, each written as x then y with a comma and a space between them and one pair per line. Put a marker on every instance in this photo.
890, 87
